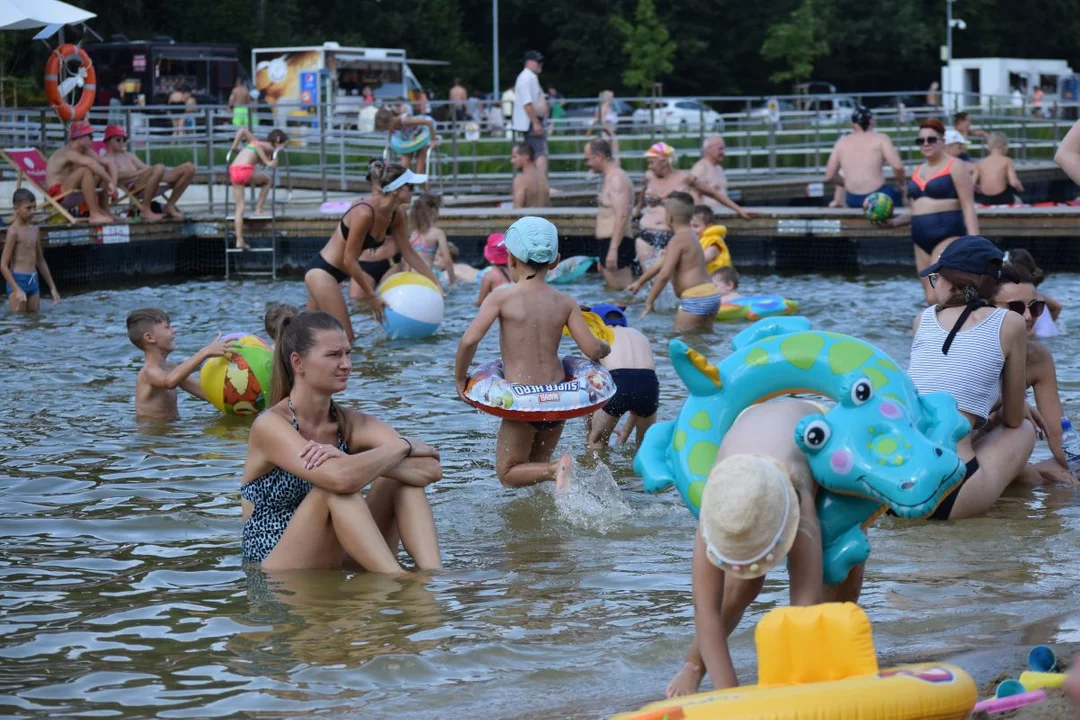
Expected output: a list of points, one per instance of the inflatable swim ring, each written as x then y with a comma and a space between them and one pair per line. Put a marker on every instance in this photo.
587, 387
408, 145
755, 307
820, 662
414, 306
881, 446
715, 235
570, 269
239, 383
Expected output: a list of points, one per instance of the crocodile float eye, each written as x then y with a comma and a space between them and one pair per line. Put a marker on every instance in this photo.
861, 391
816, 434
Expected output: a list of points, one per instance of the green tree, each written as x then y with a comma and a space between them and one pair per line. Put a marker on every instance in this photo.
649, 50
797, 43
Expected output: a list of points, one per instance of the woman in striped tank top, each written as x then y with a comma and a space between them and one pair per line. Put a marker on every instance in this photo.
981, 361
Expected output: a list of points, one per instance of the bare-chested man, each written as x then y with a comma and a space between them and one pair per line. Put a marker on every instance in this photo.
613, 215
860, 157
684, 266
661, 180
239, 99
132, 173
458, 97
75, 166
530, 185
709, 170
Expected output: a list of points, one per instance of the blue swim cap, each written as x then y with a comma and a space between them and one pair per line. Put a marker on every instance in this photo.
605, 309
533, 239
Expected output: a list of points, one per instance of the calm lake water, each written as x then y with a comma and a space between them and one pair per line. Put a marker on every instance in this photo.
123, 594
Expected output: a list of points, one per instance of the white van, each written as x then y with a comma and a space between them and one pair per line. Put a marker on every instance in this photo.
342, 72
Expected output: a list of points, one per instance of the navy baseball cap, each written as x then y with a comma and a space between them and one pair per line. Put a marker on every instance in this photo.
606, 309
534, 55
970, 253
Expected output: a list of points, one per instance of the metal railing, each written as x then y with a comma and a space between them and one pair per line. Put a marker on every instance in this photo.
330, 147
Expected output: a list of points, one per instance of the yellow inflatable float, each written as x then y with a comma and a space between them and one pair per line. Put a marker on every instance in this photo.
819, 663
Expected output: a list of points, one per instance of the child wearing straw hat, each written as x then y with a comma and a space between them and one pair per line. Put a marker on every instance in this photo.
756, 510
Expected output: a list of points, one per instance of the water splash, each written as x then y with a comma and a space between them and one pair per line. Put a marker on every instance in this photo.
594, 501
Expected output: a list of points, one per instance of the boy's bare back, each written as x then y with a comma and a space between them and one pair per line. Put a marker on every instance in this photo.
531, 318
687, 261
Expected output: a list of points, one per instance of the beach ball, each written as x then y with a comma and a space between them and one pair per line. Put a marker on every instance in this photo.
878, 207
239, 383
414, 306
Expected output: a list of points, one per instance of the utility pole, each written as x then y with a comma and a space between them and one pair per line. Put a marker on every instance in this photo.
495, 49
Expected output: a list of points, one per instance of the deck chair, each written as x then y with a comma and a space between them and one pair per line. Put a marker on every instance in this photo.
129, 196
29, 165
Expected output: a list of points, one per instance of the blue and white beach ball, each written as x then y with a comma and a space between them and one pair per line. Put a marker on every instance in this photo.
414, 306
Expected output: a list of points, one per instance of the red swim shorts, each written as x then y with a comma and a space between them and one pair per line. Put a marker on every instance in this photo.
55, 190
240, 174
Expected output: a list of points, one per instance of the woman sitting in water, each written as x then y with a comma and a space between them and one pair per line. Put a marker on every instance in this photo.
942, 201
1017, 293
981, 358
309, 459
427, 239
1045, 324
356, 248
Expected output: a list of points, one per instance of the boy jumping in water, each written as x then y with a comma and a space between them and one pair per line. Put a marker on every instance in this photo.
684, 265
23, 258
531, 317
155, 386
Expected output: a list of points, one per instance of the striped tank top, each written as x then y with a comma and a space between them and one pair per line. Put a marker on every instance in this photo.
971, 372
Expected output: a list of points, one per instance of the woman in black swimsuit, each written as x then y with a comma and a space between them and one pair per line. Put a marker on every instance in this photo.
323, 484
364, 227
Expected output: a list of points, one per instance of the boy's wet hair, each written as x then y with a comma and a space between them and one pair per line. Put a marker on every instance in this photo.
526, 150
705, 213
728, 275
142, 321
681, 206
277, 137
996, 140
22, 196
275, 315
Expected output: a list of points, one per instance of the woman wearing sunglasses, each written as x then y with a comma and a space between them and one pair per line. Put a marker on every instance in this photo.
978, 354
942, 200
1016, 293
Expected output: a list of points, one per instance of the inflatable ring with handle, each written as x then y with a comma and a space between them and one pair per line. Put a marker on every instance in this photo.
56, 91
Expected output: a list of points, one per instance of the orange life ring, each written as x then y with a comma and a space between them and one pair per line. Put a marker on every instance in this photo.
59, 57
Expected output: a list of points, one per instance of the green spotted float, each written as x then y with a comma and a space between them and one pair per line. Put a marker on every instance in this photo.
882, 445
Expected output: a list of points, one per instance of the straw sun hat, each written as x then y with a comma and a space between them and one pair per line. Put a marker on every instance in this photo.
749, 515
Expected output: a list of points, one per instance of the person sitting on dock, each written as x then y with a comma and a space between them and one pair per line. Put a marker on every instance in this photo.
962, 124
684, 266
857, 159
996, 182
530, 186
709, 170
75, 166
242, 171
143, 180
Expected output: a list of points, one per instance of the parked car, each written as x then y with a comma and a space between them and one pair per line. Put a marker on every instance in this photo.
762, 110
679, 114
581, 113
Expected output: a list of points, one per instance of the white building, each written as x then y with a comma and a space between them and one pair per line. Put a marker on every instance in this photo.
980, 82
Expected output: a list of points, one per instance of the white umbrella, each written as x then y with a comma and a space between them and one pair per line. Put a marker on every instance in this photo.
29, 14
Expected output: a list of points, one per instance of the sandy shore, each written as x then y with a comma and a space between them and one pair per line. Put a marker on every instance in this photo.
989, 667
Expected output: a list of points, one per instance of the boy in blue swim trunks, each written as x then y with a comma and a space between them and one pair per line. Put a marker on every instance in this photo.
23, 258
637, 389
531, 317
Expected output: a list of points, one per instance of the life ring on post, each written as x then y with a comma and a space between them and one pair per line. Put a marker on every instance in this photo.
57, 91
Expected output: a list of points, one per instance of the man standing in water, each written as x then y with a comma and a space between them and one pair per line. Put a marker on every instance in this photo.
709, 171
614, 203
530, 109
530, 185
856, 162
